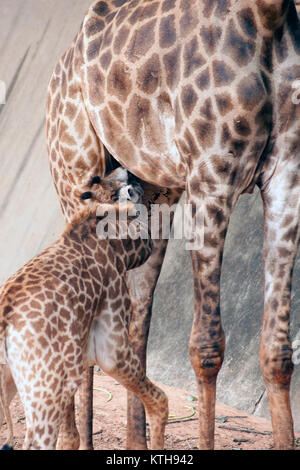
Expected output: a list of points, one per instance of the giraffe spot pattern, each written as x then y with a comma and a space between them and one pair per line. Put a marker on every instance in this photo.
188, 99
222, 73
210, 36
239, 49
191, 57
142, 40
149, 75
247, 22
167, 32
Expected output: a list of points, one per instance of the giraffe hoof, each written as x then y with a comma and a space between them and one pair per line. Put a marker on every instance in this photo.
68, 443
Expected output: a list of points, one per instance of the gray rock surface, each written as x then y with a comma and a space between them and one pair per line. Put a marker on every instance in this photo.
33, 35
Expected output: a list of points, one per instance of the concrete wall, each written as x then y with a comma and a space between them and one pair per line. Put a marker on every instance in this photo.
33, 35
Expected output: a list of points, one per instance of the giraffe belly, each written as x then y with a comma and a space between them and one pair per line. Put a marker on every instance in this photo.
141, 145
99, 349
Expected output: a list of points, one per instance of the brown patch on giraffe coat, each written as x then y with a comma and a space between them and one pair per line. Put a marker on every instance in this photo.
164, 103
125, 147
219, 7
81, 165
284, 252
64, 135
221, 166
242, 126
34, 304
215, 213
203, 80
73, 91
210, 36
150, 10
167, 31
148, 76
224, 103
136, 16
288, 219
142, 40
93, 26
54, 84
294, 180
79, 43
291, 235
247, 22
105, 60
178, 116
192, 148
107, 37
205, 132
101, 9
120, 39
70, 111
117, 111
191, 57
168, 5
188, 22
188, 99
206, 110
93, 48
118, 3
240, 50
239, 146
172, 67
121, 15
63, 84
95, 83
118, 81
268, 14
222, 73
251, 91
207, 8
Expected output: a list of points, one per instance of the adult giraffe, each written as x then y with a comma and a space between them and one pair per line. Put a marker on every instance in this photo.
195, 95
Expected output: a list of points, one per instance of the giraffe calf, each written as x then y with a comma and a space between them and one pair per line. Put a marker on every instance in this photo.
66, 309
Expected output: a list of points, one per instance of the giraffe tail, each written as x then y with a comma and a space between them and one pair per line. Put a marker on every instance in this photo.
6, 386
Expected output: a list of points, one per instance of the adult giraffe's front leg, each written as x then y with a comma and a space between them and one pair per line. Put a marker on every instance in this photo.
210, 216
281, 199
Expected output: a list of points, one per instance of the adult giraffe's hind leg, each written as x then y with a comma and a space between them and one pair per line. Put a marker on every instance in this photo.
281, 200
210, 215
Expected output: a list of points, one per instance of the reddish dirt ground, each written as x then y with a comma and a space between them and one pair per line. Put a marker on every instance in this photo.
235, 430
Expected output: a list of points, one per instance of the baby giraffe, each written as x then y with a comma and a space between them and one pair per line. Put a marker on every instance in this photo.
68, 308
